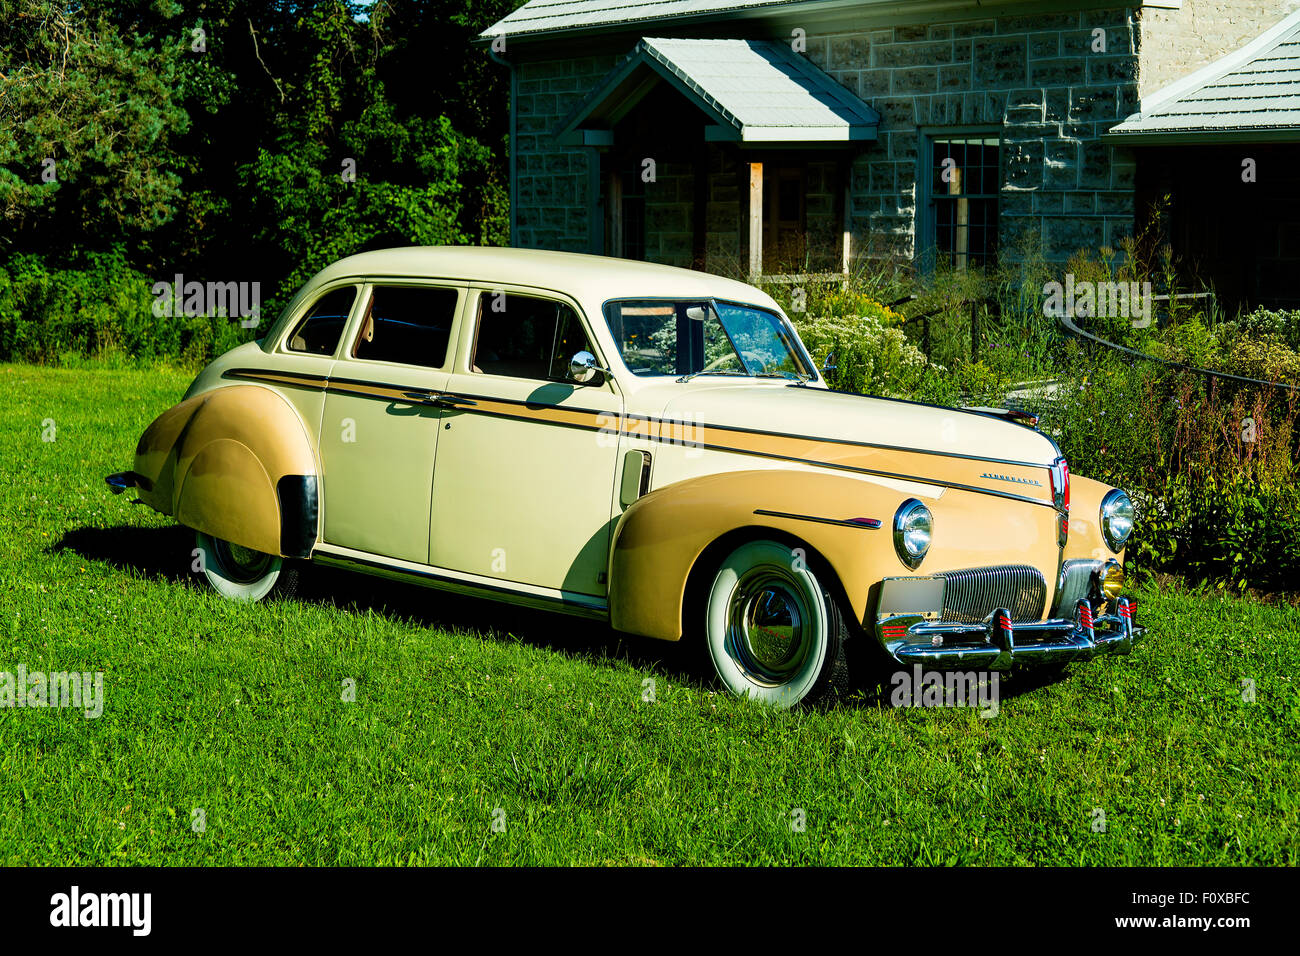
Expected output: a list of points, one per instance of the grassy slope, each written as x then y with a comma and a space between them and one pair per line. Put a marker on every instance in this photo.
465, 707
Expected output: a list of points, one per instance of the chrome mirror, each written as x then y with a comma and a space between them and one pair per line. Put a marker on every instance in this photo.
583, 367
828, 364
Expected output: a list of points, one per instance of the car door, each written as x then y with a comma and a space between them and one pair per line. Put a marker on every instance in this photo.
523, 489
379, 429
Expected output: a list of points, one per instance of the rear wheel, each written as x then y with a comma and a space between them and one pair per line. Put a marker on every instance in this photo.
774, 632
243, 574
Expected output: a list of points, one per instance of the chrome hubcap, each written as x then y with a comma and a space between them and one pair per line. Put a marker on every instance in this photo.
767, 627
241, 564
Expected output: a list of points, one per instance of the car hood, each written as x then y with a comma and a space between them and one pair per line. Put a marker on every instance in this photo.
881, 436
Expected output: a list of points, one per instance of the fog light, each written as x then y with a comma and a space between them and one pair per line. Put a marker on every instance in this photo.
1112, 579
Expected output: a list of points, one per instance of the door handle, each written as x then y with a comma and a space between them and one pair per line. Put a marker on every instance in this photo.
453, 401
420, 398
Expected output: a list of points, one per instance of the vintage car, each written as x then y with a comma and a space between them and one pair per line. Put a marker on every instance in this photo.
650, 446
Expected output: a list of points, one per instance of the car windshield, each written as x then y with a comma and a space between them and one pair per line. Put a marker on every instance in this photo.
689, 337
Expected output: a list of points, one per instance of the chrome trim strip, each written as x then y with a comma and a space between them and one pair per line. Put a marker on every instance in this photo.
865, 523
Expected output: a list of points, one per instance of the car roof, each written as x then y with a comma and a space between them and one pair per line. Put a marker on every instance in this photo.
592, 279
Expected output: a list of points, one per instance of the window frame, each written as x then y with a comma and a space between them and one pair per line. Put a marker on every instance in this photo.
348, 342
927, 247
472, 317
282, 340
803, 353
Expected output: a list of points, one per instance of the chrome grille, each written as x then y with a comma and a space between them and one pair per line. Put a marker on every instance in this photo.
972, 594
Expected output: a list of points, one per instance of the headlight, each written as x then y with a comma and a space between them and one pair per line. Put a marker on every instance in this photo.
912, 527
1116, 518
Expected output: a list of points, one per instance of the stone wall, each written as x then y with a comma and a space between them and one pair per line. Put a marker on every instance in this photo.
1043, 82
1179, 42
553, 198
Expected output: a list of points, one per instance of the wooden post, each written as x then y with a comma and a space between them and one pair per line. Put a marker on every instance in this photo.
845, 169
755, 220
961, 228
614, 240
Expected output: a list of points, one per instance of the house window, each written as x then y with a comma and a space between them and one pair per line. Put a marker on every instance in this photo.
964, 179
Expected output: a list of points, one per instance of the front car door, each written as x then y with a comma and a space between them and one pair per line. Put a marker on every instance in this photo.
523, 491
379, 430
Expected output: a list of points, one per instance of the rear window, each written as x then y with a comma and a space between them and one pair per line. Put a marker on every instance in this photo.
318, 332
407, 324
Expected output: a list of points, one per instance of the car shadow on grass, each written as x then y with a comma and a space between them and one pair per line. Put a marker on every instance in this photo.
166, 554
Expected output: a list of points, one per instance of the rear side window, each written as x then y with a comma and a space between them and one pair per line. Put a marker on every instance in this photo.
318, 333
407, 324
524, 336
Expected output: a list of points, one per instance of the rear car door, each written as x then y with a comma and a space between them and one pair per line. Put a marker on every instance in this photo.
379, 429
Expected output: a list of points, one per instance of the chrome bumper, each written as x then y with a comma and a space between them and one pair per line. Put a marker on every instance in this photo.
998, 644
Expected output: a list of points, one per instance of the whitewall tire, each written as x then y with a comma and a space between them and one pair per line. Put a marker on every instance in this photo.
774, 632
242, 574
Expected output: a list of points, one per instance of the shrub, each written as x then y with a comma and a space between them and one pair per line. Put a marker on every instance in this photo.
100, 308
870, 356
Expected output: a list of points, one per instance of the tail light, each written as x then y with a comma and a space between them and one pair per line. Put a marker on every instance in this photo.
1060, 472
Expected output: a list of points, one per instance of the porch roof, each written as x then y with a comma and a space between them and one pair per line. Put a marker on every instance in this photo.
1250, 95
755, 91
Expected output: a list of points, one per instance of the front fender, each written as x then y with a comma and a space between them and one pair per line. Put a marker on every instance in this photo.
660, 537
236, 463
1085, 540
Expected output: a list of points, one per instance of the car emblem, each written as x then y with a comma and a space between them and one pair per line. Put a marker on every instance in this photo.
1019, 481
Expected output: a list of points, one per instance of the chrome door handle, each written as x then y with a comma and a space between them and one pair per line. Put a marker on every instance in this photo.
420, 398
453, 401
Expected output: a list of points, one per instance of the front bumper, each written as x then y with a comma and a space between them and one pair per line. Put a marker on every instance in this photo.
998, 644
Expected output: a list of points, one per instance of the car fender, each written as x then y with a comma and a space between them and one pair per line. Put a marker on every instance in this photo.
1085, 540
236, 463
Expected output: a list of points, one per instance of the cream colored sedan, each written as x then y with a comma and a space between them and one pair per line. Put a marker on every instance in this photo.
645, 445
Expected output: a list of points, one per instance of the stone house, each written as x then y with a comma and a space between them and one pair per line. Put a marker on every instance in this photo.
795, 136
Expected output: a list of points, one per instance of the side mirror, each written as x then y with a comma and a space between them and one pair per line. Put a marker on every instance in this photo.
583, 367
828, 364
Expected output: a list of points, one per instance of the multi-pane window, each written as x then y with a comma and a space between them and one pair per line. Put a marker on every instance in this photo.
965, 176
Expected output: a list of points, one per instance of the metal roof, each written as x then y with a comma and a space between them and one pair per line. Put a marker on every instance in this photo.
548, 16
1252, 94
754, 90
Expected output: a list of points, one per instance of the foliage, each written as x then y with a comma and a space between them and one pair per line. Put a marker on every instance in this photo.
871, 353
101, 308
217, 139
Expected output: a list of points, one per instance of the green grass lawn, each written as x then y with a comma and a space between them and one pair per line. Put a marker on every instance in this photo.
468, 713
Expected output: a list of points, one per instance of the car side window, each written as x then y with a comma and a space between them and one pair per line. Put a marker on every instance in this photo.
526, 336
407, 324
318, 332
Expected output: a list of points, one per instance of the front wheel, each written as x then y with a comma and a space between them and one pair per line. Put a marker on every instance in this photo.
240, 573
774, 631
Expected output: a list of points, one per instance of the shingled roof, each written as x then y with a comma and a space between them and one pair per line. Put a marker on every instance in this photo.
1250, 95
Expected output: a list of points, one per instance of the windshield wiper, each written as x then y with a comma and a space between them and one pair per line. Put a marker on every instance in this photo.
794, 377
712, 371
